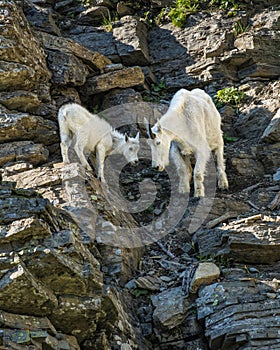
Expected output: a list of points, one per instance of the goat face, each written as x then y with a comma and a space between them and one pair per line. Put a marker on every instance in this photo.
131, 148
159, 142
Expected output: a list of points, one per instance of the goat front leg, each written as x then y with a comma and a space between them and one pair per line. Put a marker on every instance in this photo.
202, 158
64, 146
221, 169
100, 158
80, 153
182, 169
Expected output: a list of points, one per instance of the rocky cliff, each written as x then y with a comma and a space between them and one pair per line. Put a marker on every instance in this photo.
69, 279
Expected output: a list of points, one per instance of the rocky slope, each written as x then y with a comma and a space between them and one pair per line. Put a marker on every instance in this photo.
69, 278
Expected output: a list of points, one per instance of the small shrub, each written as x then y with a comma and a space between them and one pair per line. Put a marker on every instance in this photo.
239, 28
107, 22
182, 9
88, 2
229, 95
158, 87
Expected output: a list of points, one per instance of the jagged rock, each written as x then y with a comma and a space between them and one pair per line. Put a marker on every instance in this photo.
148, 282
269, 156
127, 77
131, 41
276, 176
34, 178
21, 291
93, 15
124, 10
19, 69
170, 307
226, 307
23, 126
247, 165
40, 332
272, 131
161, 3
20, 203
93, 59
120, 96
70, 62
23, 151
21, 100
206, 273
250, 240
23, 229
40, 18
107, 3
96, 40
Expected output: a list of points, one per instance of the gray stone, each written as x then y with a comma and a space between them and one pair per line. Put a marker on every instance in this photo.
272, 131
97, 40
226, 307
131, 41
21, 70
23, 126
276, 176
127, 77
120, 96
248, 240
206, 273
40, 18
23, 151
94, 15
170, 307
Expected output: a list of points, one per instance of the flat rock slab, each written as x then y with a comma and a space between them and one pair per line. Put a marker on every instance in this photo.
253, 240
272, 132
131, 41
170, 307
23, 151
24, 126
240, 312
124, 78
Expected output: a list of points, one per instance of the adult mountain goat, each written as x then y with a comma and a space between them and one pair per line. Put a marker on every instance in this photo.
194, 124
90, 133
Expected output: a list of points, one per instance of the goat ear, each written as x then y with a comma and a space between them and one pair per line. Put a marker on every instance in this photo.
126, 137
137, 136
152, 134
159, 126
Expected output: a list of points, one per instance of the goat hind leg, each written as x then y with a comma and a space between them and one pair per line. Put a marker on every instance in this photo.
221, 169
199, 171
100, 158
80, 154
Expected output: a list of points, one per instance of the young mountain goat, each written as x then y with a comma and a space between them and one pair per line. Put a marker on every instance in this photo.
194, 124
91, 133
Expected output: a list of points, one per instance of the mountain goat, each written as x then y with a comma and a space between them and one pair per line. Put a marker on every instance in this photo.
193, 123
90, 133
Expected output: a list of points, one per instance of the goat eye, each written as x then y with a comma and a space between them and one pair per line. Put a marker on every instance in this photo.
131, 149
157, 142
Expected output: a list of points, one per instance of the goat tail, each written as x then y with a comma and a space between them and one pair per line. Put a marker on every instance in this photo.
61, 114
179, 100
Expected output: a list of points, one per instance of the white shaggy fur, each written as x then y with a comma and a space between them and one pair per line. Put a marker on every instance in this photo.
194, 124
90, 133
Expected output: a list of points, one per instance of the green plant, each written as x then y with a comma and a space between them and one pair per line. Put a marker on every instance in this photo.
148, 18
239, 28
108, 22
138, 292
88, 2
95, 109
181, 10
229, 95
229, 138
158, 87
